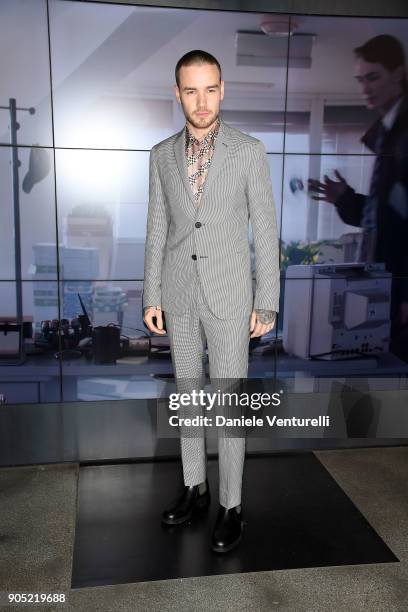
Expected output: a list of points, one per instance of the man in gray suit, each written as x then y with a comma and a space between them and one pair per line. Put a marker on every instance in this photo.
205, 182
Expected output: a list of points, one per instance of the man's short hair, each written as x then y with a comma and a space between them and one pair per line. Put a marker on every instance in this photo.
385, 50
196, 57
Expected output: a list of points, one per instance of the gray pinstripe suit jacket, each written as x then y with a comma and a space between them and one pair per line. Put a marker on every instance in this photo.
238, 185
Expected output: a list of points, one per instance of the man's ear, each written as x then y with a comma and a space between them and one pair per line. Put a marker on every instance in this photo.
222, 90
176, 93
400, 74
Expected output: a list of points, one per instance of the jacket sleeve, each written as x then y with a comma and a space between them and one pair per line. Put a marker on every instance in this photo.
156, 236
350, 207
401, 196
262, 214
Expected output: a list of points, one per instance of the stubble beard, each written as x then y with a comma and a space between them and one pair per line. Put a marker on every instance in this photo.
201, 123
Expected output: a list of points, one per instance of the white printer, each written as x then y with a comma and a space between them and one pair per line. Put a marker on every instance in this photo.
336, 311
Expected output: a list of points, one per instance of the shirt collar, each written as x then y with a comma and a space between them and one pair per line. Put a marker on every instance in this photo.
389, 117
211, 135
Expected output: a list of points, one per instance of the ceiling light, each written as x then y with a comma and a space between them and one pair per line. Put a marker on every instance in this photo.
278, 25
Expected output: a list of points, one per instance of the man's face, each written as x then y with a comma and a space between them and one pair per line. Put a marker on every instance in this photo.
200, 92
380, 86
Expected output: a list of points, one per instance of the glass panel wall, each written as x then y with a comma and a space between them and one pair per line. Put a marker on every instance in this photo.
80, 179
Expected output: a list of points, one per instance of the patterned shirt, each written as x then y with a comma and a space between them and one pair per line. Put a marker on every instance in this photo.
199, 155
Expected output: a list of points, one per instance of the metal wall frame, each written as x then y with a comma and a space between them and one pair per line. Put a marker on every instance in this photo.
343, 8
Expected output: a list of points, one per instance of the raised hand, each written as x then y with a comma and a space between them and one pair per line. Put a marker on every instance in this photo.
330, 190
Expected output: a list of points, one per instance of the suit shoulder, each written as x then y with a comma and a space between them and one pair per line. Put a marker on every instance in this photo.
165, 145
242, 138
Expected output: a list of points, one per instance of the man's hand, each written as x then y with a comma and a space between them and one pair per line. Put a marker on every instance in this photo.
149, 314
330, 190
262, 321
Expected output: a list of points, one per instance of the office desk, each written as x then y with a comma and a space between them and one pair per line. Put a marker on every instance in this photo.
43, 379
120, 421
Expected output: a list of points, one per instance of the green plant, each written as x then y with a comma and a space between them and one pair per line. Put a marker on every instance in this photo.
298, 252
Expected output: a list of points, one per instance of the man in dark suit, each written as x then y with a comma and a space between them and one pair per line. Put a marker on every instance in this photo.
383, 213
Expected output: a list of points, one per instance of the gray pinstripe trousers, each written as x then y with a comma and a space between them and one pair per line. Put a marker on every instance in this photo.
227, 341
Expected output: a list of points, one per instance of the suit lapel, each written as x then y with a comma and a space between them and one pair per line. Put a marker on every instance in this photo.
180, 153
219, 155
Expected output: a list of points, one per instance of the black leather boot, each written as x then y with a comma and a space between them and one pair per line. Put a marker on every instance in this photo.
183, 507
227, 530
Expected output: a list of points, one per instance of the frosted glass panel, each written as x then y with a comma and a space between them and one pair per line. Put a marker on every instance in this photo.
25, 71
113, 72
37, 214
102, 212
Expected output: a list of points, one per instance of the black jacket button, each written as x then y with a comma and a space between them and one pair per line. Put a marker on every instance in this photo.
194, 257
198, 224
